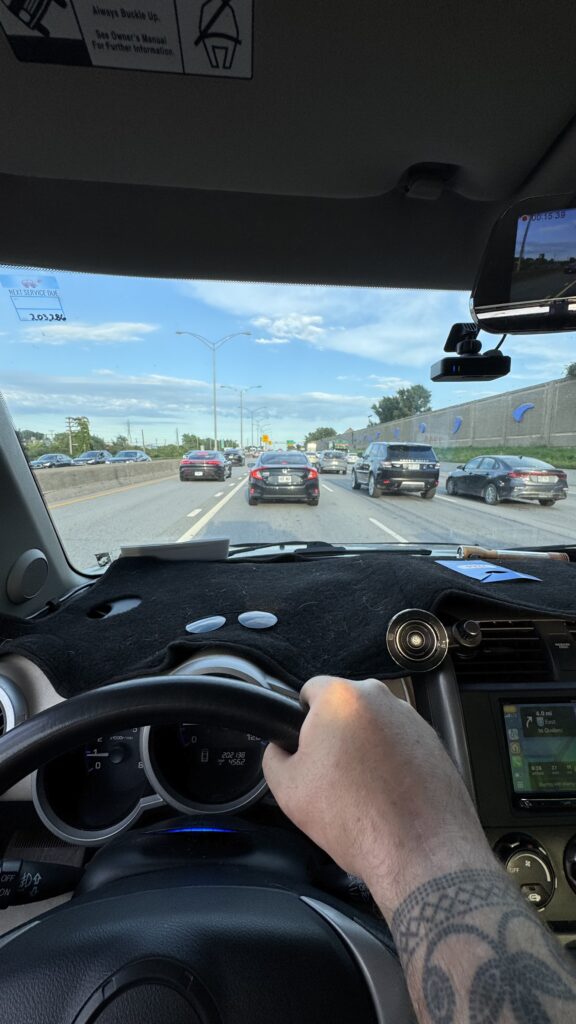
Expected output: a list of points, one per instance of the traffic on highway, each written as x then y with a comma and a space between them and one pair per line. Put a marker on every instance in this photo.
167, 510
274, 414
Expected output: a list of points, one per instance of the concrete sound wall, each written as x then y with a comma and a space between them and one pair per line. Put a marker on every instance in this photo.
544, 414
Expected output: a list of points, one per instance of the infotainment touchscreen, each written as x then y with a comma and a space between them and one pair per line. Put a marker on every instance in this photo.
541, 742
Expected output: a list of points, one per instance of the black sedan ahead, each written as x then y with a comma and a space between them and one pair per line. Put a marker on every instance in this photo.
498, 477
283, 476
200, 465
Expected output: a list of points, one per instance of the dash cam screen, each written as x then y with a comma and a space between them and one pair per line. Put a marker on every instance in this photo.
544, 265
541, 742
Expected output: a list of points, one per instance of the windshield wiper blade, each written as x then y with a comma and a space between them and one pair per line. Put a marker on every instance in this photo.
296, 550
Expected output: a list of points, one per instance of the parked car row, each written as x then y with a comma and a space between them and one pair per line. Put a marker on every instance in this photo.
92, 458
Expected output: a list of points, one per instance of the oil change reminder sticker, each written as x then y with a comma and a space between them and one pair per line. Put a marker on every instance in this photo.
191, 37
34, 297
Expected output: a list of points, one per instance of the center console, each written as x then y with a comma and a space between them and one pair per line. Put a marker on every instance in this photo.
522, 745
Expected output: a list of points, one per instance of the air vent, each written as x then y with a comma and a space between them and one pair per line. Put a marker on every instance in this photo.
511, 651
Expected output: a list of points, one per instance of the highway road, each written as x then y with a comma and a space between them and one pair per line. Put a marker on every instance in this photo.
168, 510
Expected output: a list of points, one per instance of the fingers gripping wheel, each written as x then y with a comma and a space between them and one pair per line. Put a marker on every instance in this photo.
417, 640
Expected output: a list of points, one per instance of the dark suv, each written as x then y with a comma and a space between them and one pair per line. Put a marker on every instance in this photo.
388, 467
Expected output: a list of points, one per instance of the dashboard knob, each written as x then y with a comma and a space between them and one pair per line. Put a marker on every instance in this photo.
468, 633
530, 867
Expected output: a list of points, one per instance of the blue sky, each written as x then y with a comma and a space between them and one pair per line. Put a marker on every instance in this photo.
321, 355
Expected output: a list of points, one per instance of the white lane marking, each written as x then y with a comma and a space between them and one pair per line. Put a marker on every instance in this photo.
218, 494
442, 497
200, 523
194, 512
387, 529
326, 488
231, 484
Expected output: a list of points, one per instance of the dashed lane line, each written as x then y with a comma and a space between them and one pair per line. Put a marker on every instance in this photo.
201, 523
326, 488
193, 513
392, 533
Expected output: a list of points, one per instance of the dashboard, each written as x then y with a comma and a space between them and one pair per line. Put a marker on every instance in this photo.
504, 706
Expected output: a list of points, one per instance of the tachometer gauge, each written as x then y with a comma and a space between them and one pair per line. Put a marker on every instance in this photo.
204, 768
95, 791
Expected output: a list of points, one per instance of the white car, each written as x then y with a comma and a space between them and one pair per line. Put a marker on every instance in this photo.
351, 458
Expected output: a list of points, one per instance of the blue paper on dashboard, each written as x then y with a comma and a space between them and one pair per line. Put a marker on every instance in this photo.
486, 572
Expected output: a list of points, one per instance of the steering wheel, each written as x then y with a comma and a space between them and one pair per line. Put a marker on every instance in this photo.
171, 949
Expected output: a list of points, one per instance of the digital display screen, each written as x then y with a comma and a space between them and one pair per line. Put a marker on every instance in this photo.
544, 257
541, 741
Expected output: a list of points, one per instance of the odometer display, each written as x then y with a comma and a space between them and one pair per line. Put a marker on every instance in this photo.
201, 767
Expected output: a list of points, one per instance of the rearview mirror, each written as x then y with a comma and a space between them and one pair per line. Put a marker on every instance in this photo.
527, 279
460, 467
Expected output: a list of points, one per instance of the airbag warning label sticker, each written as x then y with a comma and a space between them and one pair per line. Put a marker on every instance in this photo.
191, 37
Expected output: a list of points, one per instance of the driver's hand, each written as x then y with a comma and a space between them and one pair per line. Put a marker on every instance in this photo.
373, 786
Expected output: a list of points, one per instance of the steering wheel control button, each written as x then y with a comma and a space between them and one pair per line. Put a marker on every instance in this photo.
257, 620
206, 625
417, 640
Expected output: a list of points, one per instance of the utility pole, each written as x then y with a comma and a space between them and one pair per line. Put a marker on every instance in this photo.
214, 346
143, 444
177, 438
128, 434
69, 422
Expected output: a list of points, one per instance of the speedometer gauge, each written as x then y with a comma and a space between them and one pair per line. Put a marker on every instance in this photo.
95, 791
204, 768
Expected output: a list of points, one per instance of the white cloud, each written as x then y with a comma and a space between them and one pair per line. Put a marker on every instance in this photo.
293, 325
393, 326
107, 333
272, 341
388, 383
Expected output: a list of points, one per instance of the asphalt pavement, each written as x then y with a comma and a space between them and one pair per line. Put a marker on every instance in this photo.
169, 510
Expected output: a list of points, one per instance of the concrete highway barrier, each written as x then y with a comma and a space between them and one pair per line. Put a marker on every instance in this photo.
66, 482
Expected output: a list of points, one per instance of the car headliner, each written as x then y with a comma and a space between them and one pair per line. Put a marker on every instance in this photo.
375, 144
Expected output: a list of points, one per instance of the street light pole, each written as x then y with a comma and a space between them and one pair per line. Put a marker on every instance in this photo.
261, 408
214, 346
241, 392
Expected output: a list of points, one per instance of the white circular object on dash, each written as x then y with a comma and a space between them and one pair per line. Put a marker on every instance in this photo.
257, 620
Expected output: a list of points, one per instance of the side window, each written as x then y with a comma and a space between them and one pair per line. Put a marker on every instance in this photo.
472, 465
488, 464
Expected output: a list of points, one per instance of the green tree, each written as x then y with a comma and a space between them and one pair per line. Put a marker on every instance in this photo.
388, 408
406, 402
30, 435
319, 434
570, 370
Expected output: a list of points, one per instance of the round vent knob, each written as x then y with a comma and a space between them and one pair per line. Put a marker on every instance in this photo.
417, 640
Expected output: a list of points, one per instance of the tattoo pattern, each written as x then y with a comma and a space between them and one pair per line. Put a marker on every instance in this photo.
508, 977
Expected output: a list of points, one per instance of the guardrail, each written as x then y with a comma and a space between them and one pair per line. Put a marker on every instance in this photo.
66, 482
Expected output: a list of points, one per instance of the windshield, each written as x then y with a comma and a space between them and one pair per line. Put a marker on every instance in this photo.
157, 372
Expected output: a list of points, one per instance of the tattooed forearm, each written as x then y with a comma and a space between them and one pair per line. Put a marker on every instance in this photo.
474, 951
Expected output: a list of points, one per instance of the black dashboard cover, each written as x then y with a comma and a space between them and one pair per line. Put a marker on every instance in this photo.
332, 614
